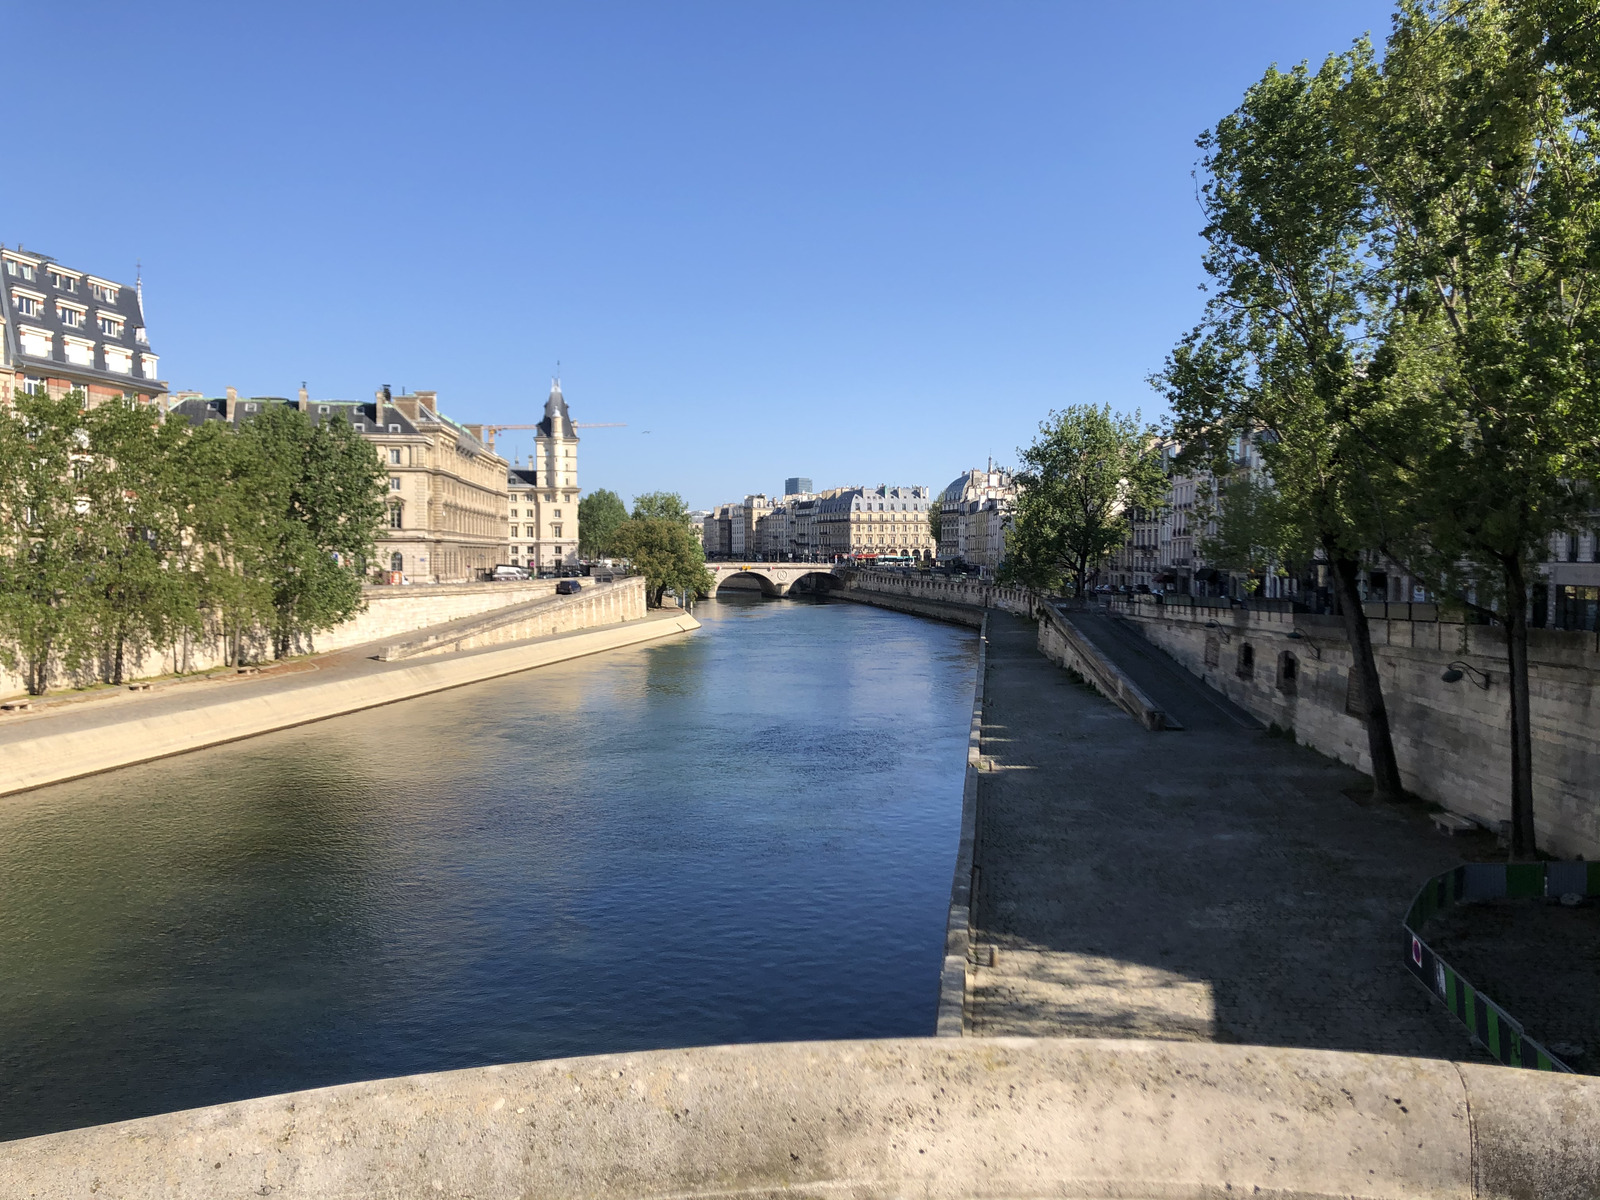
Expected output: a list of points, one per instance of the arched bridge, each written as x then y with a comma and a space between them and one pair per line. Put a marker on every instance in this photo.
776, 578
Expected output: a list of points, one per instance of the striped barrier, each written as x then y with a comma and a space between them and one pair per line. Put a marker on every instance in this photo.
1490, 1025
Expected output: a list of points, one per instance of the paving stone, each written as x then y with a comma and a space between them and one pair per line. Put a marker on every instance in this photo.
1214, 883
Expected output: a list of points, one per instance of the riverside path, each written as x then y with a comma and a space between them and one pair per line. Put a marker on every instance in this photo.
1212, 883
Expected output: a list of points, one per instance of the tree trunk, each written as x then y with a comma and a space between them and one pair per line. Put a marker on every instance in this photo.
116, 666
1380, 744
1523, 841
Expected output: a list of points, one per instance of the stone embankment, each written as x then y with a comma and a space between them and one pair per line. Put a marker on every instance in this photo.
389, 612
546, 616
940, 1119
1068, 646
53, 745
941, 598
1452, 740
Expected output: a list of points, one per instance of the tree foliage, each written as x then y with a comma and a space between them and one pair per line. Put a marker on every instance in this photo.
1483, 153
123, 534
666, 553
1078, 480
599, 514
663, 506
1279, 366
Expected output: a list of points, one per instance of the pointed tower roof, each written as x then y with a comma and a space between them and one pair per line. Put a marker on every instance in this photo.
557, 421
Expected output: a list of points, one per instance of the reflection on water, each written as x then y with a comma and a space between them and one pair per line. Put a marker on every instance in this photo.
742, 835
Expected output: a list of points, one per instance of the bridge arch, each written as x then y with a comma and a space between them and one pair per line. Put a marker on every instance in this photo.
776, 579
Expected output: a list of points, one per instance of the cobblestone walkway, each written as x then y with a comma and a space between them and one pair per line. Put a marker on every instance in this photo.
1212, 883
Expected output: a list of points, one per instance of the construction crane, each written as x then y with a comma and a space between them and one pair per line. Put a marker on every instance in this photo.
495, 430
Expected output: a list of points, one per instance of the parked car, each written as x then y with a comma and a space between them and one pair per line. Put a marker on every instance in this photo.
568, 587
504, 572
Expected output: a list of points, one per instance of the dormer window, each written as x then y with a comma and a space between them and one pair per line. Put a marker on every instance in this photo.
27, 306
359, 427
20, 270
110, 326
251, 407
322, 408
394, 429
72, 318
102, 291
62, 281
139, 336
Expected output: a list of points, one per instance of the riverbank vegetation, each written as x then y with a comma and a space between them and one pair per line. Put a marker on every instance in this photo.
1404, 320
123, 534
658, 540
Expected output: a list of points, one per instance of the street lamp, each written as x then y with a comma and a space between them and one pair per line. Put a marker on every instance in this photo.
1454, 671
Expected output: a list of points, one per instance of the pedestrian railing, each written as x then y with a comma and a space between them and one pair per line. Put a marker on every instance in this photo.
1490, 1025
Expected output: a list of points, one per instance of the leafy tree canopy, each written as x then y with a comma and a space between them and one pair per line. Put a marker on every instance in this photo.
666, 553
599, 514
665, 506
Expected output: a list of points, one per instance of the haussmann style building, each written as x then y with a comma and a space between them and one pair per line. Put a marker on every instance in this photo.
447, 495
68, 330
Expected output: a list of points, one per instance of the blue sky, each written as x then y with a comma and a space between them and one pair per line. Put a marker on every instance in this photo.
864, 242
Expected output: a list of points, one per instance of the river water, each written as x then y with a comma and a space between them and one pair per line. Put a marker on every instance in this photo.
744, 834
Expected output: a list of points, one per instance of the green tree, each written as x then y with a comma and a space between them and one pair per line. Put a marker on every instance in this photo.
322, 503
935, 522
664, 506
48, 556
1079, 478
134, 515
666, 553
1484, 152
599, 514
1280, 362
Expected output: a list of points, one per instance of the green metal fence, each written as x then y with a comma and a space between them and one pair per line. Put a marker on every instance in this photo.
1490, 1025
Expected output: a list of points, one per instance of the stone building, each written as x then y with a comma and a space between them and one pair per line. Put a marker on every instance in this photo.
974, 513
874, 523
67, 330
542, 530
447, 489
716, 532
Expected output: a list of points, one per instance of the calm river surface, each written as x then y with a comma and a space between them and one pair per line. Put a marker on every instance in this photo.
744, 835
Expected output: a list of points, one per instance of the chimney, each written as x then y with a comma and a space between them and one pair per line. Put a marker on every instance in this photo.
430, 401
304, 403
405, 404
230, 404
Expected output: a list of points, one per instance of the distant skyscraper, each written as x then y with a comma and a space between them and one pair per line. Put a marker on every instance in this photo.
796, 485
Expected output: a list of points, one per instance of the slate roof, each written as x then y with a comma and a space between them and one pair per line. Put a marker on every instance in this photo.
557, 421
523, 477
361, 415
127, 308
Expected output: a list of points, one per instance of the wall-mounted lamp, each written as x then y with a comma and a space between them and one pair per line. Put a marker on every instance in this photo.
1454, 671
1294, 635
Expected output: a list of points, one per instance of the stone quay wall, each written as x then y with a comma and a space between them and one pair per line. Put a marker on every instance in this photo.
1452, 740
391, 611
934, 595
597, 604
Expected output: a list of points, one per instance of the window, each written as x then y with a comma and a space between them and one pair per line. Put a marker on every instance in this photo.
394, 455
359, 427
72, 318
21, 270
549, 499
65, 283
394, 483
110, 326
397, 561
555, 531
556, 514
394, 516
394, 429
33, 385
140, 336
106, 293
322, 408
27, 306
1288, 673
251, 407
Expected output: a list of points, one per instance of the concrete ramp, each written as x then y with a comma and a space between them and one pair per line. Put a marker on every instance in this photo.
936, 1119
596, 604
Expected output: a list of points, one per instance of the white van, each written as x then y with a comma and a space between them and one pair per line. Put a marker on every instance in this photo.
504, 572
